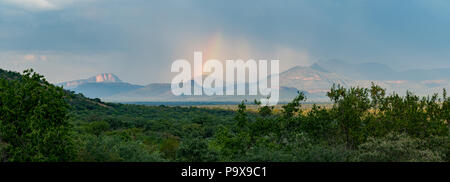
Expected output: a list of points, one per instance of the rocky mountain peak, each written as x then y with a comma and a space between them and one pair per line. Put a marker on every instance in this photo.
100, 78
105, 77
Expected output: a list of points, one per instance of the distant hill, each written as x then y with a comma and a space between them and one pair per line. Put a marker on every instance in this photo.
161, 92
100, 78
313, 79
10, 75
430, 74
76, 101
100, 86
319, 77
377, 71
102, 90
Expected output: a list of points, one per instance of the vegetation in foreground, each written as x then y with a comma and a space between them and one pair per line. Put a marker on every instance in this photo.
41, 122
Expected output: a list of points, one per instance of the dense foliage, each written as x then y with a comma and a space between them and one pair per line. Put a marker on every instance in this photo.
363, 124
33, 122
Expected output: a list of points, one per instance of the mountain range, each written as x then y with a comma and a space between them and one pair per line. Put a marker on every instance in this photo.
314, 81
161, 92
377, 71
100, 86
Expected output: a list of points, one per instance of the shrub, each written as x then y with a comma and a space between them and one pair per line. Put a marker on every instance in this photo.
324, 153
396, 148
195, 150
106, 148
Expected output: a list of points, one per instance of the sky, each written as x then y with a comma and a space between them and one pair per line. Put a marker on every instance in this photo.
139, 39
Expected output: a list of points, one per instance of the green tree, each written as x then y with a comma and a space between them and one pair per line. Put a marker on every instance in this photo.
265, 110
241, 116
350, 106
33, 120
294, 106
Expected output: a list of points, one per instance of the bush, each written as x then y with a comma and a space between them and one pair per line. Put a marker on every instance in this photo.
263, 154
440, 144
324, 153
195, 150
396, 148
97, 127
106, 148
169, 147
